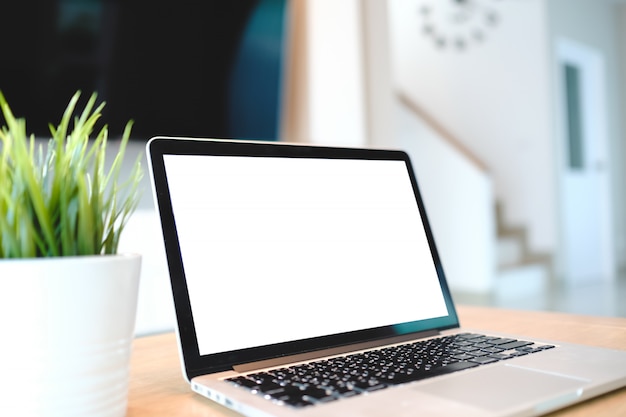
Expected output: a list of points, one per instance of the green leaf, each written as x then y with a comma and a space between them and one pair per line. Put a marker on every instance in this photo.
61, 200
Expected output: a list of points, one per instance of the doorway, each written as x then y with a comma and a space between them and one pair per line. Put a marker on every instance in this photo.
586, 224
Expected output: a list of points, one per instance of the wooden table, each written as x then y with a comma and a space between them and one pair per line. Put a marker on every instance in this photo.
157, 387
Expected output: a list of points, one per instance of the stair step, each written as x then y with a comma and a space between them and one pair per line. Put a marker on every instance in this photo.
510, 251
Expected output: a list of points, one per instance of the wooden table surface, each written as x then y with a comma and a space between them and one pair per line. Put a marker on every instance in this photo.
157, 387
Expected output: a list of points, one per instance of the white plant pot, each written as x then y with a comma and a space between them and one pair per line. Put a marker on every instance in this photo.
67, 326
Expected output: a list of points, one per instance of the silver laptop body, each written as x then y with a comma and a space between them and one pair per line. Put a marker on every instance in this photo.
285, 257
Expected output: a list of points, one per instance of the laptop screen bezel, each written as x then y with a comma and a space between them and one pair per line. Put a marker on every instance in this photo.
196, 364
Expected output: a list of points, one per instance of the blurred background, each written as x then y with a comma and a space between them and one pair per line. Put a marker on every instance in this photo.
511, 111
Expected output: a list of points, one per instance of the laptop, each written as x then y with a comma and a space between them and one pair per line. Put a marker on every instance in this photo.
306, 282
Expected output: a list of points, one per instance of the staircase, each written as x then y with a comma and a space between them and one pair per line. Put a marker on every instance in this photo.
521, 273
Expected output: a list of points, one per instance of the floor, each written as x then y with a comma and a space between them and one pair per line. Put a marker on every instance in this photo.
598, 299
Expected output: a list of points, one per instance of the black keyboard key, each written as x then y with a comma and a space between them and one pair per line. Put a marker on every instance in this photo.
370, 385
500, 341
297, 402
267, 386
483, 360
514, 345
463, 356
493, 350
528, 349
480, 339
500, 356
315, 393
245, 382
468, 348
289, 390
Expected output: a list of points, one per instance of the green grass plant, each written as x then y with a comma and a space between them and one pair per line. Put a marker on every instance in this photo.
63, 199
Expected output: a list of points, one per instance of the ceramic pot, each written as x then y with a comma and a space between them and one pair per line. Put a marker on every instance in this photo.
67, 326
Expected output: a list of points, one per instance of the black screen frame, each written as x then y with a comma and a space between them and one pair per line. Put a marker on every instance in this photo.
197, 364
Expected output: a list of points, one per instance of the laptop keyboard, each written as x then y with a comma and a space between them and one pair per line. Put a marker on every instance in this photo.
339, 377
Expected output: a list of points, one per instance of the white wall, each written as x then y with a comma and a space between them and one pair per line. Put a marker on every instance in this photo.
620, 196
459, 202
155, 308
601, 26
494, 96
336, 100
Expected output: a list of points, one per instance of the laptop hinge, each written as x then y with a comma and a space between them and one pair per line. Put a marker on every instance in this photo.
302, 357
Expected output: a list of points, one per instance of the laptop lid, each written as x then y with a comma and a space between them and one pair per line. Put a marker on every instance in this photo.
279, 249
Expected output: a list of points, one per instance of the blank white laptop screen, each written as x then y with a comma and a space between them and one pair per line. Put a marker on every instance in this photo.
320, 246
